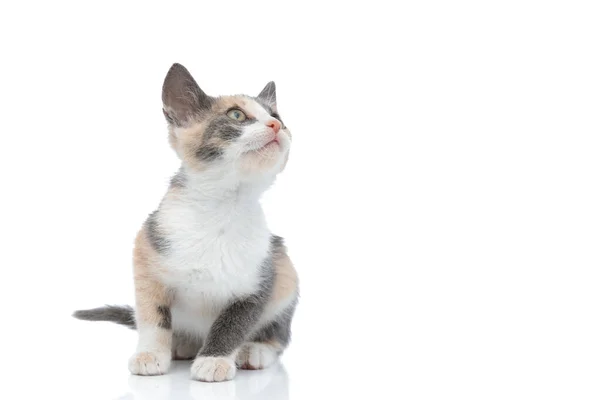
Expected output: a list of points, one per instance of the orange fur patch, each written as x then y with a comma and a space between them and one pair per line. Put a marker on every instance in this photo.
149, 292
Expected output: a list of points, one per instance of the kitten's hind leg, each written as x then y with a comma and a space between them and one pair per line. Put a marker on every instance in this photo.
267, 343
257, 355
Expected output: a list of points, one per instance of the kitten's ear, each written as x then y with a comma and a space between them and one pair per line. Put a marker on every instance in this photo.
269, 96
182, 97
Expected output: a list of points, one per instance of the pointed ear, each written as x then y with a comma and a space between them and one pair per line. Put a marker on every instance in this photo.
269, 96
182, 97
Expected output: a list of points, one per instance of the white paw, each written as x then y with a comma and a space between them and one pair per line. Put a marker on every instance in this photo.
147, 363
256, 356
213, 369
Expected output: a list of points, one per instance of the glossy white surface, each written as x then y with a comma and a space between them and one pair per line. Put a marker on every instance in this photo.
271, 383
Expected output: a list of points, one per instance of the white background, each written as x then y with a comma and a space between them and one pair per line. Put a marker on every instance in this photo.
441, 202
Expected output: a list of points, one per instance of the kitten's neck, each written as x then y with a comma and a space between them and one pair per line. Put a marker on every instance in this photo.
219, 186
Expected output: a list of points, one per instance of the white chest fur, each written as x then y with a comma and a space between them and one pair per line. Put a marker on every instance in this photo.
215, 248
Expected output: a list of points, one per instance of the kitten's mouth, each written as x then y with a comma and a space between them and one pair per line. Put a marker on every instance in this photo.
272, 143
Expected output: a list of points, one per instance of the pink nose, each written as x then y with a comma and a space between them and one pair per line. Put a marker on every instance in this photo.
274, 124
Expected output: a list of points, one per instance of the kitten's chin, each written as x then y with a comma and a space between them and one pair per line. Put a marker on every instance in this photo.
264, 161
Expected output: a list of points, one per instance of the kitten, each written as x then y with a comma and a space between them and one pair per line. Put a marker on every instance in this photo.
211, 281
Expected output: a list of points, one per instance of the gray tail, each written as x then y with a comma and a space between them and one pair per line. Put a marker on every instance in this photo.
123, 315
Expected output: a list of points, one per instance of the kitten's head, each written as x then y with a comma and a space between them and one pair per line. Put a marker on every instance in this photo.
239, 133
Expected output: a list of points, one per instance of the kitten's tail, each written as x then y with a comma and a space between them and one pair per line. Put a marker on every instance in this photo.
123, 315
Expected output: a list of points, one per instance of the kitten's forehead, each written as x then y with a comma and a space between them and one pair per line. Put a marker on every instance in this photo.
249, 105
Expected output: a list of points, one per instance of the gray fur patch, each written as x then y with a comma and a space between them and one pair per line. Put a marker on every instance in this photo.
165, 313
229, 132
209, 152
123, 315
156, 238
277, 244
178, 180
224, 128
235, 323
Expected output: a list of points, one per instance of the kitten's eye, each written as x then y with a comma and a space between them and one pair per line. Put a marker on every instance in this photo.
236, 115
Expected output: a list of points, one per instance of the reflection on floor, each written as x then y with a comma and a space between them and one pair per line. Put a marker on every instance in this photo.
270, 383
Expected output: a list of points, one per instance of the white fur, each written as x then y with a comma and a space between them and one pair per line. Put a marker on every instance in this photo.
150, 363
153, 355
256, 355
213, 369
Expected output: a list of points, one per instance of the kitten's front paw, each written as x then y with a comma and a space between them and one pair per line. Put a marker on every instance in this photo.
147, 363
256, 356
213, 369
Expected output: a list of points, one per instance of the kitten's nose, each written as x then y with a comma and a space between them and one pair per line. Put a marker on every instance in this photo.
274, 124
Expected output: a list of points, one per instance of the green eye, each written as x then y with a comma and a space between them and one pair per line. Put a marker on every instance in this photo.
236, 115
